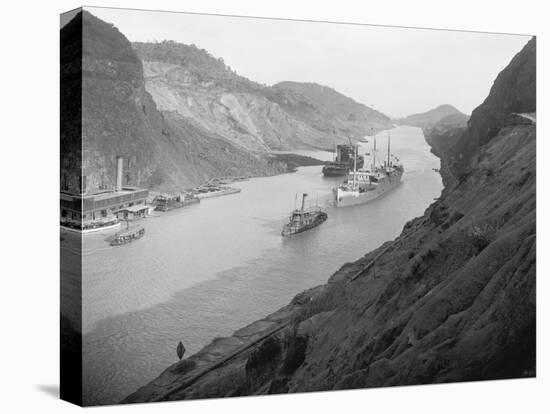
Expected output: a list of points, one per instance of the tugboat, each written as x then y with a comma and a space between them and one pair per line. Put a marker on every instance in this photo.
304, 219
343, 161
127, 236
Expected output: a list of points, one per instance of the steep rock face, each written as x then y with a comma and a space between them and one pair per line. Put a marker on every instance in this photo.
430, 118
514, 90
453, 298
442, 137
119, 117
71, 104
186, 80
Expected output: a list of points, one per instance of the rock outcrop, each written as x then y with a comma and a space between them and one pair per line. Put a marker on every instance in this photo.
71, 104
453, 298
189, 82
513, 91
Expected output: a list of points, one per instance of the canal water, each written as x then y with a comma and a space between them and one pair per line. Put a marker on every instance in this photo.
208, 269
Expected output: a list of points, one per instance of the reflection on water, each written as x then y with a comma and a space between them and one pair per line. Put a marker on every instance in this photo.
207, 270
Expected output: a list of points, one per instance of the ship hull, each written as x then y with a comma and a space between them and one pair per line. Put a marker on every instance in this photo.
344, 198
173, 205
335, 172
290, 230
218, 193
340, 169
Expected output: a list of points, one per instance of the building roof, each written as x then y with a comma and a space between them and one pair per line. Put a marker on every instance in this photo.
135, 209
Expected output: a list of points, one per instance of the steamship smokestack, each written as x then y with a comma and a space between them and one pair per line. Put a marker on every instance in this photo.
304, 201
119, 172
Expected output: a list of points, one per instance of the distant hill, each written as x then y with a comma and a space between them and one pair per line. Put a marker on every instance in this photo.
430, 118
201, 88
453, 120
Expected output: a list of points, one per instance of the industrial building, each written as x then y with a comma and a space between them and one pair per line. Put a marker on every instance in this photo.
98, 210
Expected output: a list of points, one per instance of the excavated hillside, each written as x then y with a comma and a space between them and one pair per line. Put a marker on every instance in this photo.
453, 298
119, 117
192, 84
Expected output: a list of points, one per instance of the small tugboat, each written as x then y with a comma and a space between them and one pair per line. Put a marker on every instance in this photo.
304, 219
127, 236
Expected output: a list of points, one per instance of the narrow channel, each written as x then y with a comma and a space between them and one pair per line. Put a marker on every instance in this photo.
141, 299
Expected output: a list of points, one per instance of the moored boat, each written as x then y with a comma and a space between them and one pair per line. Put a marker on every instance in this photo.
90, 226
210, 190
165, 202
127, 236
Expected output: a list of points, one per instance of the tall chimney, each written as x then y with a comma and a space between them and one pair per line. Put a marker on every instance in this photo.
119, 172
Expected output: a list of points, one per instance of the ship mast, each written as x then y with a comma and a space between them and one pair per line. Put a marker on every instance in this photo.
354, 163
389, 140
374, 155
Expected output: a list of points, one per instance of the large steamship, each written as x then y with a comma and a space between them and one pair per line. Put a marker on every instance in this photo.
366, 184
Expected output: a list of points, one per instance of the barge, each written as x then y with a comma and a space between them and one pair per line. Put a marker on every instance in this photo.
165, 202
208, 191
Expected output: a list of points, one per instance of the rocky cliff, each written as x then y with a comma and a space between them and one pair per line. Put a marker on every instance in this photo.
513, 91
114, 114
71, 104
453, 298
194, 85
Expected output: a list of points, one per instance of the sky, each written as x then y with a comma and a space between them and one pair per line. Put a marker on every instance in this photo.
398, 71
